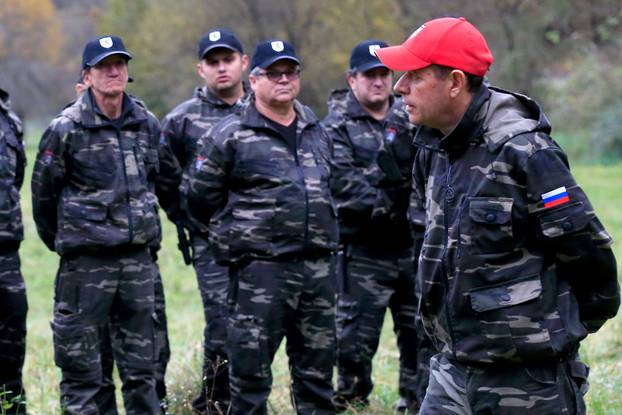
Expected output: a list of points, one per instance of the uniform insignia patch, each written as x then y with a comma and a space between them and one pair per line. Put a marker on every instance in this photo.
214, 36
48, 155
106, 42
277, 46
389, 134
555, 197
199, 162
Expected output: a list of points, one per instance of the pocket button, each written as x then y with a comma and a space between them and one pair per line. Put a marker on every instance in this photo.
490, 217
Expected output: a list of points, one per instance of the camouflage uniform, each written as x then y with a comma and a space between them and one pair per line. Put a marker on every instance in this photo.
182, 129
93, 204
272, 221
371, 186
105, 397
13, 303
502, 276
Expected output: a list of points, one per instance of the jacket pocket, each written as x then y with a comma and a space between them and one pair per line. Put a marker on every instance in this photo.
567, 220
10, 212
149, 163
487, 229
512, 320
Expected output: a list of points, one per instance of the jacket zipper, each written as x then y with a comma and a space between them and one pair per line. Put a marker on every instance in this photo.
127, 189
304, 184
448, 197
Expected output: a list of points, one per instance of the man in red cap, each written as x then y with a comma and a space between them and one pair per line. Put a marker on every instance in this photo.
509, 236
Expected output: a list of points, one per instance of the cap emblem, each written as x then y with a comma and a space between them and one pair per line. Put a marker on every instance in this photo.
277, 46
372, 49
106, 42
214, 36
416, 32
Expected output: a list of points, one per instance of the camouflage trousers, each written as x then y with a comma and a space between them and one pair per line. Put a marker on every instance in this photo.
105, 397
371, 282
213, 281
13, 310
93, 292
548, 387
291, 298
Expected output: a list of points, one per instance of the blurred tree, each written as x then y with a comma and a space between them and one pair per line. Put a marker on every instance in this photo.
550, 50
30, 38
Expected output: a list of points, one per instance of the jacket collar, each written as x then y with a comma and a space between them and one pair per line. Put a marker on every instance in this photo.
5, 101
90, 116
356, 110
493, 117
251, 118
204, 94
469, 129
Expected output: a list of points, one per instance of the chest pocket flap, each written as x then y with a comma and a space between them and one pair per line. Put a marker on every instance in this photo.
559, 222
493, 298
493, 211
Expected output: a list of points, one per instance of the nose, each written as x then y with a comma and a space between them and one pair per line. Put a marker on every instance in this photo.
401, 86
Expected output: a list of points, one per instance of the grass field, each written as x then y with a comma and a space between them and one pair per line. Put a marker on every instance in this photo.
603, 351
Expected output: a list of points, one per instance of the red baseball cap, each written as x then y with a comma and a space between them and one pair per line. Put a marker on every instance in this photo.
447, 41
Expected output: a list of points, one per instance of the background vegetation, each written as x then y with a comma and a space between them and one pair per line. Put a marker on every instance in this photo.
564, 53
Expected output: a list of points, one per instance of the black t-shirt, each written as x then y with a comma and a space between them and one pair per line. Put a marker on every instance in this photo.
288, 132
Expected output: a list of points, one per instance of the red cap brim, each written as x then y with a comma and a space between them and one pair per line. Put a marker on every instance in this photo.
398, 58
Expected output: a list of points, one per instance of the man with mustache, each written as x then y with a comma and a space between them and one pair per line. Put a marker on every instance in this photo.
260, 185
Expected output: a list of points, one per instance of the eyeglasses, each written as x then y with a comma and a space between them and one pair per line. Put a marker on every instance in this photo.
276, 76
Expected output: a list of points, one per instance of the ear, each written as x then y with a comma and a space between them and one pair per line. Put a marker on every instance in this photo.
458, 83
86, 76
350, 78
199, 69
252, 82
244, 62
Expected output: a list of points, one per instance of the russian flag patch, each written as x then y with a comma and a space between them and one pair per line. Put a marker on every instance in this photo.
555, 197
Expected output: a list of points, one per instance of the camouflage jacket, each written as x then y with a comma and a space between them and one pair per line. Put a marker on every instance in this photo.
372, 164
504, 277
263, 201
182, 129
12, 164
93, 181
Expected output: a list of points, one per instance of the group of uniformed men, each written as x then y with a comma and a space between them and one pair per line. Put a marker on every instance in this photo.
476, 237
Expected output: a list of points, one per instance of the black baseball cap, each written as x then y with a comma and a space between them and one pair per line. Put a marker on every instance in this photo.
270, 51
102, 47
219, 38
364, 57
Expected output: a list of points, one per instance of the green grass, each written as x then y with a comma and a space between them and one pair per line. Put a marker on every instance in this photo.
603, 350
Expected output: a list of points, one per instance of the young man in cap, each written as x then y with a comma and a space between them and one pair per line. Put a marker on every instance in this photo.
509, 236
94, 204
221, 64
377, 266
13, 303
260, 182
